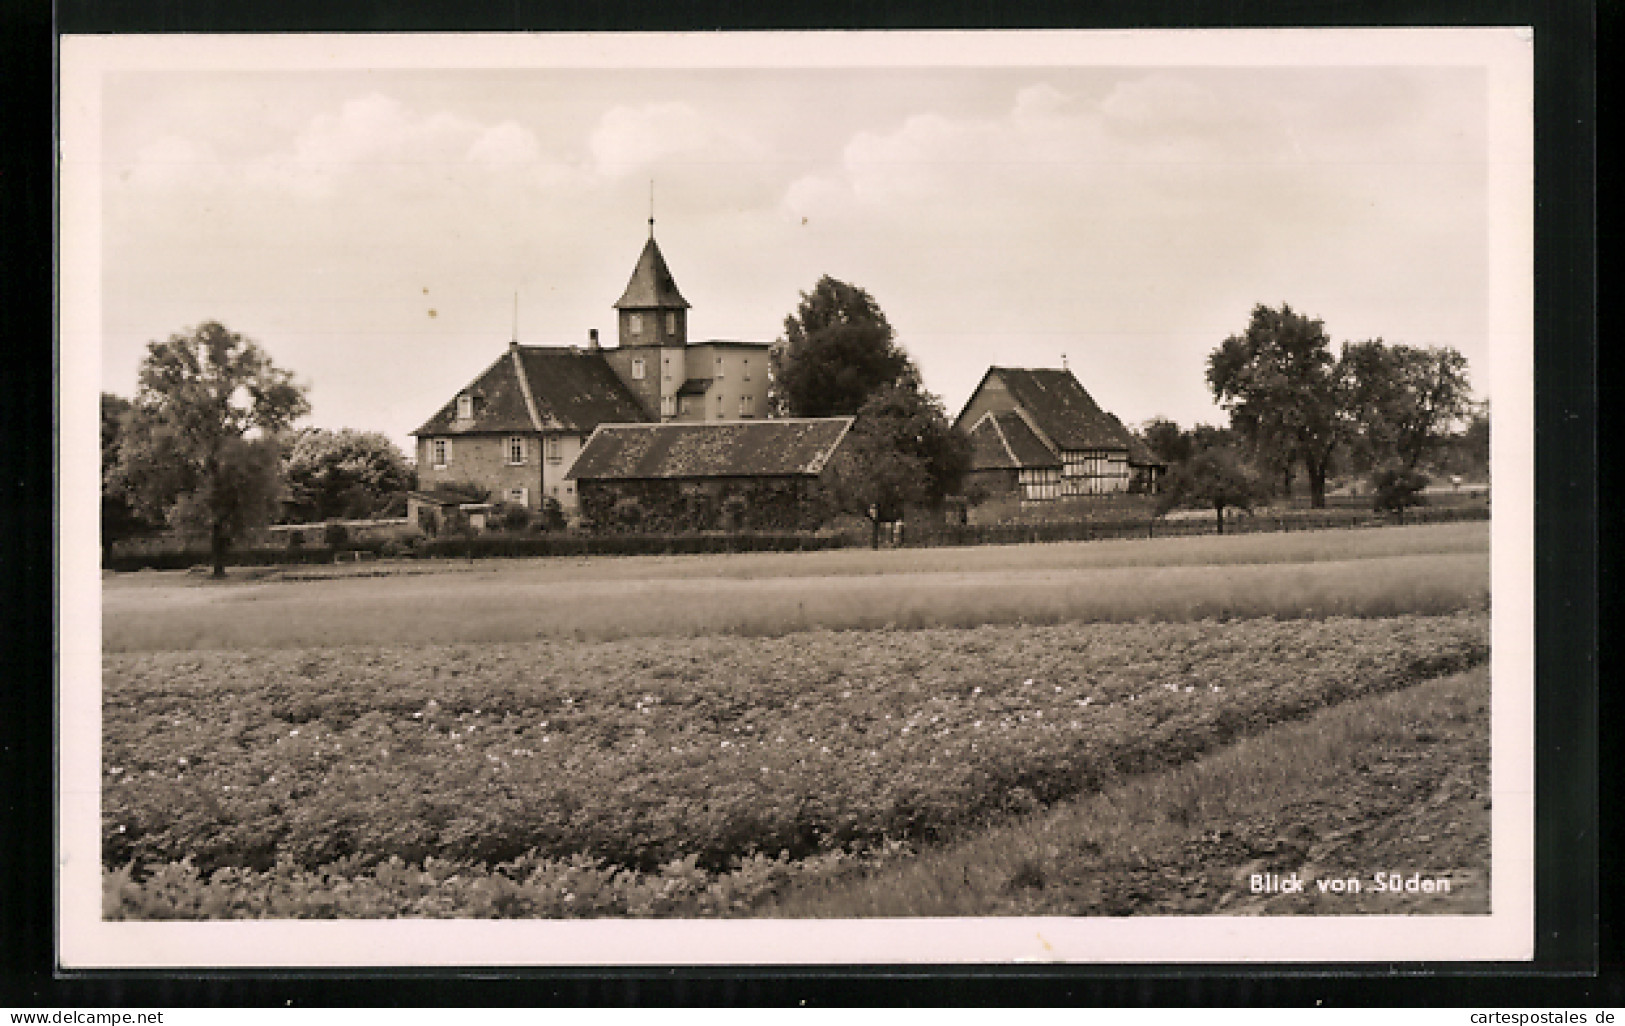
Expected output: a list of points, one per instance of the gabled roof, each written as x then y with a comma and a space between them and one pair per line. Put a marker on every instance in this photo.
799, 447
1060, 409
1003, 440
652, 284
540, 388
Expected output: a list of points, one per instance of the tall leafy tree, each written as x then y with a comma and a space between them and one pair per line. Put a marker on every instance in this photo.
343, 474
200, 449
1284, 391
118, 514
1168, 441
1405, 401
838, 349
901, 452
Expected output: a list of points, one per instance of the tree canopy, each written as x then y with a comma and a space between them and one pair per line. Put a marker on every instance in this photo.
1283, 389
343, 474
119, 518
1217, 478
1167, 441
838, 349
200, 447
901, 452
1405, 401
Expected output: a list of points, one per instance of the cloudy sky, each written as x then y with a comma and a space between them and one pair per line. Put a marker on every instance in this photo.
370, 227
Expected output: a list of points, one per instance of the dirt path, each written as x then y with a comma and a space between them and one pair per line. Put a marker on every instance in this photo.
1419, 804
1396, 784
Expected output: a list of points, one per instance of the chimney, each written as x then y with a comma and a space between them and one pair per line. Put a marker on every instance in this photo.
592, 340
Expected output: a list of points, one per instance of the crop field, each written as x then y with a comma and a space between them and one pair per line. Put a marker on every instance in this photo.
477, 743
1434, 569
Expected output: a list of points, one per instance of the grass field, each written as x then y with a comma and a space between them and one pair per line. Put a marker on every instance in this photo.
718, 735
1434, 569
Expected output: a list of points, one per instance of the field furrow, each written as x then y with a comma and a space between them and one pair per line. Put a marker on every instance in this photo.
645, 751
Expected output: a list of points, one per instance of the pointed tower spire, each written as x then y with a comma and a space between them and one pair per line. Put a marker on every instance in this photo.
651, 208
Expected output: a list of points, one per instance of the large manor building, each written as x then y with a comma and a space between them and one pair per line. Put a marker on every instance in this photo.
661, 429
519, 426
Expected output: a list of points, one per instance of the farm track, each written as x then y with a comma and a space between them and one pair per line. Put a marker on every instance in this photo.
1397, 783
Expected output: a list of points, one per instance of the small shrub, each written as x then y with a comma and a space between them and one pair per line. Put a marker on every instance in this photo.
296, 539
1396, 489
551, 515
336, 536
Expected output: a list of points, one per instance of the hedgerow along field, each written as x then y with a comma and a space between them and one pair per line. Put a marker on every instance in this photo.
354, 761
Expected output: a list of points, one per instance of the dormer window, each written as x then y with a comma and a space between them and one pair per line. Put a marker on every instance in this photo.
637, 366
465, 407
634, 324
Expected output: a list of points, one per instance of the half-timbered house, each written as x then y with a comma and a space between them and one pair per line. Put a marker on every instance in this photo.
1037, 432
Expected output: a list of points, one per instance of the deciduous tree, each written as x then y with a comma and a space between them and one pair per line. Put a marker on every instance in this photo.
1405, 401
1167, 440
343, 474
1216, 479
838, 349
901, 452
1396, 488
200, 450
119, 518
1284, 391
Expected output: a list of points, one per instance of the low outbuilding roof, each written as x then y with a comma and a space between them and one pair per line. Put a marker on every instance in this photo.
791, 447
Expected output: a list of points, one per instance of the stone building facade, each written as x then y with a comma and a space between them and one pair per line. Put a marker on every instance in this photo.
516, 430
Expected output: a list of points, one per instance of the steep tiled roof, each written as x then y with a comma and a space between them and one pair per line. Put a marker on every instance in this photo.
733, 448
569, 390
1003, 440
1061, 409
577, 391
651, 284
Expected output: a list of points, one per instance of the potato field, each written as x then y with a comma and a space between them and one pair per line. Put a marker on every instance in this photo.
709, 735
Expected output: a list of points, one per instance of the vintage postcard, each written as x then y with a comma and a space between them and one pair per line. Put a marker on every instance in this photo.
797, 498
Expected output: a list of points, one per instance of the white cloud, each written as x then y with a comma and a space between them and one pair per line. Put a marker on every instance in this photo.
629, 139
172, 162
505, 144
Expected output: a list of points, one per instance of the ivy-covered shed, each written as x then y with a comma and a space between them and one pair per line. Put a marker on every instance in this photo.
763, 475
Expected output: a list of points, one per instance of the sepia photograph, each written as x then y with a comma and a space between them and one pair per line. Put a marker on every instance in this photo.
797, 498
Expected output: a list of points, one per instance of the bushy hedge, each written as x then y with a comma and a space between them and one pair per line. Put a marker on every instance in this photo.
1143, 527
517, 545
182, 559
